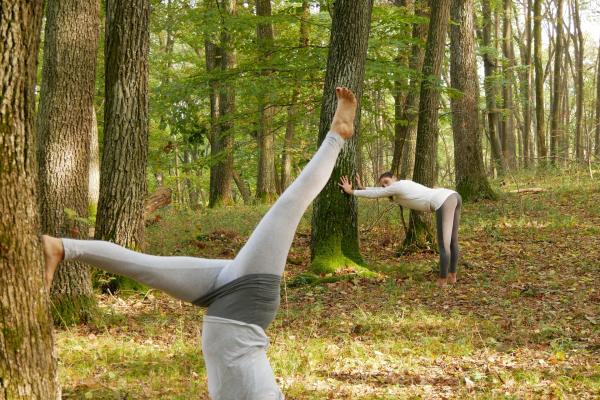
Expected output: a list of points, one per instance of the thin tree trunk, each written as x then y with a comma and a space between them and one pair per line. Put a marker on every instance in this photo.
555, 113
334, 242
94, 171
471, 181
597, 118
406, 109
508, 119
265, 188
292, 111
27, 359
125, 151
222, 146
419, 234
580, 93
65, 125
491, 84
539, 81
525, 86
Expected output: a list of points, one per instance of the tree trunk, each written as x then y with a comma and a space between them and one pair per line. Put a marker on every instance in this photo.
265, 186
242, 187
65, 125
597, 118
27, 359
406, 107
525, 87
222, 146
508, 119
579, 54
471, 181
290, 130
555, 112
540, 128
94, 171
491, 85
419, 234
125, 151
334, 242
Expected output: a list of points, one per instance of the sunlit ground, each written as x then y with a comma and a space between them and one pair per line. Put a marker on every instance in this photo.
523, 322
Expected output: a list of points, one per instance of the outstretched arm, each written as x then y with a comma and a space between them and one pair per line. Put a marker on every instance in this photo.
374, 193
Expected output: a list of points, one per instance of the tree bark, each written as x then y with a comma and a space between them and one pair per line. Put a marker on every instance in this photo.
27, 359
539, 81
125, 151
525, 86
334, 242
491, 85
471, 181
419, 234
65, 126
555, 112
265, 187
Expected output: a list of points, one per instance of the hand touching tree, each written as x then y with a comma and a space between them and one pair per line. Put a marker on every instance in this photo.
346, 185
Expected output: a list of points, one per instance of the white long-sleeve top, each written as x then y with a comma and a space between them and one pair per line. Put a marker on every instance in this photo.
409, 194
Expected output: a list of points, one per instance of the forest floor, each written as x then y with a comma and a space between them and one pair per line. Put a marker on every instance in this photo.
523, 321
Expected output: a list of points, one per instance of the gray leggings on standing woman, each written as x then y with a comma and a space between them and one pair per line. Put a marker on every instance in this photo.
447, 220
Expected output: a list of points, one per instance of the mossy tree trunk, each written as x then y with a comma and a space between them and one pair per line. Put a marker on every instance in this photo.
419, 234
65, 126
123, 173
334, 242
556, 109
471, 180
27, 360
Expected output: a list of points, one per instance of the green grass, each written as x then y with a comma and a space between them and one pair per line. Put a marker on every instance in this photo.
523, 323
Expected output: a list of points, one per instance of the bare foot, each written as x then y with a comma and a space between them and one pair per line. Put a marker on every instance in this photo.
442, 282
343, 120
53, 255
452, 278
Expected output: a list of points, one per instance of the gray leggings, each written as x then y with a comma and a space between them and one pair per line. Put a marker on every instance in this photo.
190, 278
448, 218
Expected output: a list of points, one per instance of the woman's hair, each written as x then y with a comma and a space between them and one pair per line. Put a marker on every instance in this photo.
387, 174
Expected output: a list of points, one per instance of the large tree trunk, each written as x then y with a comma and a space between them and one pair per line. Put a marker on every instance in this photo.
540, 128
508, 120
265, 188
292, 111
65, 126
555, 112
125, 151
491, 86
579, 55
419, 234
27, 360
222, 145
334, 242
471, 181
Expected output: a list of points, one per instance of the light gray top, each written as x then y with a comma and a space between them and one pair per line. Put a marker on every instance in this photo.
409, 194
236, 361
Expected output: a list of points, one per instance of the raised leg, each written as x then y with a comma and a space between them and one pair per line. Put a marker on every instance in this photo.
267, 248
185, 278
